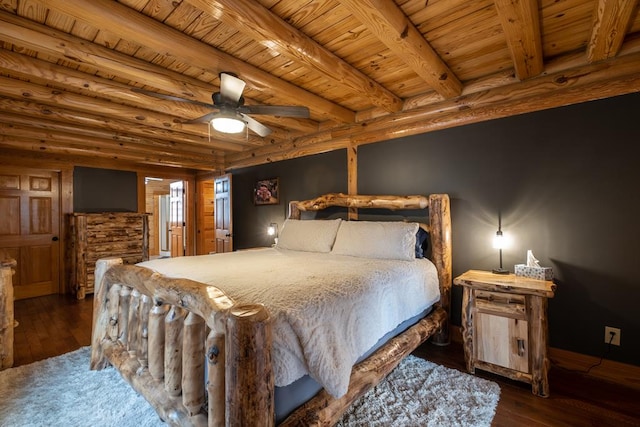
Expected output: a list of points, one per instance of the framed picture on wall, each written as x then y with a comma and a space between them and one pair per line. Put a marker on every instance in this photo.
266, 192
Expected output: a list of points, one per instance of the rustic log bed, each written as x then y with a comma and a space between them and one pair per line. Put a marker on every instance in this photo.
155, 330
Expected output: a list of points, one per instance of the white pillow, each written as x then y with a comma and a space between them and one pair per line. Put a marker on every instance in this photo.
314, 235
373, 239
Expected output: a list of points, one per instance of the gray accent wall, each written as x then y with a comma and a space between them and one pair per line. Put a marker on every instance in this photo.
565, 182
299, 179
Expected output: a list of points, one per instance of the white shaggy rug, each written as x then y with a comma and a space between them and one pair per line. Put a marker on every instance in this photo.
63, 392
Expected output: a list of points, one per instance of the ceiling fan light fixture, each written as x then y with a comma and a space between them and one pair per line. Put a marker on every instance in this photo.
228, 123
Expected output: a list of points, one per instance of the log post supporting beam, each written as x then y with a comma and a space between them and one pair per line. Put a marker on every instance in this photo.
352, 176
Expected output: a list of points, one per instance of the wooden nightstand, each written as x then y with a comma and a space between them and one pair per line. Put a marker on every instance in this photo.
504, 326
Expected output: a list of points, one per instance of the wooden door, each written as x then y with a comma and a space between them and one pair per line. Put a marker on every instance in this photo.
29, 229
223, 218
177, 218
205, 223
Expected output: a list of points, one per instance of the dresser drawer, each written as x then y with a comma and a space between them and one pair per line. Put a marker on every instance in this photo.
512, 305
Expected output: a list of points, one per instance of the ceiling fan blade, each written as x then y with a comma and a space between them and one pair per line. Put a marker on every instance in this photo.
170, 97
276, 110
204, 119
256, 126
231, 87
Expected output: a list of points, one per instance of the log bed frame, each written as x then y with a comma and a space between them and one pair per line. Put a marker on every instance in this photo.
155, 331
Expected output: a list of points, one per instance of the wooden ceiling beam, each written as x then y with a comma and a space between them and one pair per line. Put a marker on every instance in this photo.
611, 21
131, 25
18, 123
79, 82
81, 104
520, 20
37, 37
62, 147
13, 157
323, 143
79, 143
268, 29
581, 84
92, 121
69, 48
393, 28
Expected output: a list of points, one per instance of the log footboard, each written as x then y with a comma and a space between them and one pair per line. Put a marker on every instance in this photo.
200, 360
197, 357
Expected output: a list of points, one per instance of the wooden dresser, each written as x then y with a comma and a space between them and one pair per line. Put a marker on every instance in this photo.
103, 235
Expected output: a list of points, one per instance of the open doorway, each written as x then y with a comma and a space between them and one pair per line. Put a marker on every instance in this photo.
165, 200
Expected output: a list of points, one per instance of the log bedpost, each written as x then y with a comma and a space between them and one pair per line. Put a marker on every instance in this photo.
440, 234
249, 373
102, 310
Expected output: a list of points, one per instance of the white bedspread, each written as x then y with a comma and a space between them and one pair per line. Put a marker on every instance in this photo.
328, 309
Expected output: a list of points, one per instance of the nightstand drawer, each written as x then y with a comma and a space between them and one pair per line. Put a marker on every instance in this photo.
511, 305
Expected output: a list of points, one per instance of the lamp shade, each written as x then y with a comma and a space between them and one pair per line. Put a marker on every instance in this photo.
228, 123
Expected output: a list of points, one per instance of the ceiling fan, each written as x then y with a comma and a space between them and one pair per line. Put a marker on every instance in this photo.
232, 115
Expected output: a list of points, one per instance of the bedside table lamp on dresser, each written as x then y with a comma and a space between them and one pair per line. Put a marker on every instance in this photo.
504, 326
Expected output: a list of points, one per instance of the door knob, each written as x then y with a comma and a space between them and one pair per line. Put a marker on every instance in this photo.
54, 239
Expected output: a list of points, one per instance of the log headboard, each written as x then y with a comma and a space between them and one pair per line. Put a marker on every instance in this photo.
439, 228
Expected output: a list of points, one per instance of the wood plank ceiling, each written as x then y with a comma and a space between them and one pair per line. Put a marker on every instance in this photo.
368, 70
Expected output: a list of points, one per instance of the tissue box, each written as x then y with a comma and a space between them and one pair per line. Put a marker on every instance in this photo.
540, 273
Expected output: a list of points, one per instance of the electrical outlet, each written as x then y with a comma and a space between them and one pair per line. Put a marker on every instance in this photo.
608, 330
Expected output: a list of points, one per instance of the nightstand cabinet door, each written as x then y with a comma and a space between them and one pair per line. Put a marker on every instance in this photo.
501, 329
502, 341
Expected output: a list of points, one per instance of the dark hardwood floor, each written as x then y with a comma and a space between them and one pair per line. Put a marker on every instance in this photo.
50, 326
53, 325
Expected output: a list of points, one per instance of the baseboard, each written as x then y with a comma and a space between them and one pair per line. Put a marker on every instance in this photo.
620, 373
609, 370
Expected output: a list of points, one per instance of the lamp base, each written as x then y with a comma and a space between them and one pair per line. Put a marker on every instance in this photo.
500, 271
